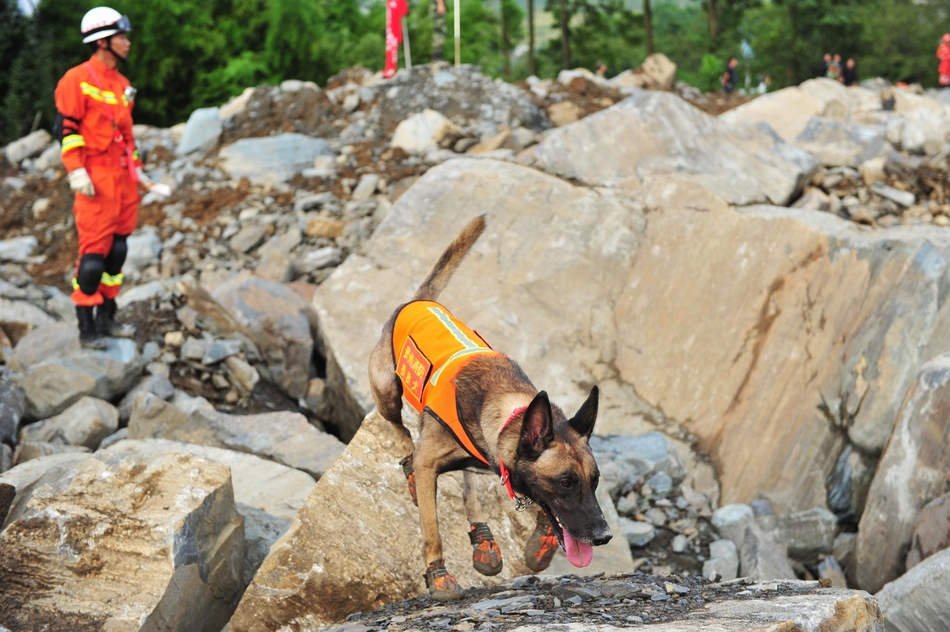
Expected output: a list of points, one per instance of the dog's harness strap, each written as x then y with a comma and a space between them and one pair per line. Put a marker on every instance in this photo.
521, 503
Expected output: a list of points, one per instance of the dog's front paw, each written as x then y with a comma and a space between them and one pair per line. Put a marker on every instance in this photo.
486, 556
441, 584
541, 545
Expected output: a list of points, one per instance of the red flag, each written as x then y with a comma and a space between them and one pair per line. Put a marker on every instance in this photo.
395, 11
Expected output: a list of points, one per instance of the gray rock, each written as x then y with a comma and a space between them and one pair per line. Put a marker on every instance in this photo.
201, 132
177, 508
829, 568
6, 462
838, 143
277, 320
27, 146
12, 406
904, 198
723, 559
261, 530
678, 545
283, 437
673, 137
917, 600
904, 481
17, 249
29, 450
807, 535
51, 387
309, 202
327, 257
272, 159
18, 318
85, 423
760, 556
276, 489
248, 238
729, 515
145, 249
194, 348
119, 435
661, 483
158, 385
243, 376
623, 459
637, 533
219, 350
366, 187
281, 244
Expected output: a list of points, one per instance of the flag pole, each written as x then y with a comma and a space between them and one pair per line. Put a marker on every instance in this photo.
458, 35
405, 43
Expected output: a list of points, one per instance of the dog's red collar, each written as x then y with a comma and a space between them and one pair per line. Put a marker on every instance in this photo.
505, 474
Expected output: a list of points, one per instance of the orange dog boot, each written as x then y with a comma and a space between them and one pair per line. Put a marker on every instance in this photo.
486, 556
441, 584
541, 545
406, 464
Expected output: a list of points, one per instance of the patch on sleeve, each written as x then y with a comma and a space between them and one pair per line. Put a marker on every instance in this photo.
413, 368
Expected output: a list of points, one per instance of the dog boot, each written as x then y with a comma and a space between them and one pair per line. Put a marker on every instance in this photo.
88, 335
441, 584
541, 545
406, 464
105, 321
486, 556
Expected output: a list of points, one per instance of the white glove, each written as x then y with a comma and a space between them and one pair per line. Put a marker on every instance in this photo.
157, 188
80, 182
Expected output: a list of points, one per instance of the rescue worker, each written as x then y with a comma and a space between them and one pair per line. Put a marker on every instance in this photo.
943, 54
94, 110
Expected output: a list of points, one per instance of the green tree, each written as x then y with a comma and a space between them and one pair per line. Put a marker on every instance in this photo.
600, 31
30, 85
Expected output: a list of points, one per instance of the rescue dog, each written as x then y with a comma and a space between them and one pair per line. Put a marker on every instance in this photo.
479, 411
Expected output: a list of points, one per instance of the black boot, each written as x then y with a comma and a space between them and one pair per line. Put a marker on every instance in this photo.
105, 321
88, 336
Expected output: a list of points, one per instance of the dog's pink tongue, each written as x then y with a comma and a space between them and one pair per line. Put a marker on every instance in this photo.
578, 553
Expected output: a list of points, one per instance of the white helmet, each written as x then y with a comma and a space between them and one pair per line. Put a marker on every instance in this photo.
102, 22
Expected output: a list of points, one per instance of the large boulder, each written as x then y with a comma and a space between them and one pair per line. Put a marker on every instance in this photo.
261, 483
918, 601
124, 543
356, 543
85, 423
201, 132
284, 437
12, 406
910, 474
272, 159
790, 110
18, 318
276, 318
658, 133
684, 311
29, 145
842, 144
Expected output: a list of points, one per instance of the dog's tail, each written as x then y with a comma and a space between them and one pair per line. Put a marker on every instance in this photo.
449, 262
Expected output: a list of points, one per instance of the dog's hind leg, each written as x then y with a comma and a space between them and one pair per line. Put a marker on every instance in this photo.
387, 392
486, 556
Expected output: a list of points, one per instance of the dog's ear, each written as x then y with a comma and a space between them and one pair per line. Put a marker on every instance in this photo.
537, 427
583, 421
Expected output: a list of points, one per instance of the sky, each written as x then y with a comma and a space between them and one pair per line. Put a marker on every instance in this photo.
27, 6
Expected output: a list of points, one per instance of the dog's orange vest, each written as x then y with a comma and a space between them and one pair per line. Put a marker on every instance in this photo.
430, 347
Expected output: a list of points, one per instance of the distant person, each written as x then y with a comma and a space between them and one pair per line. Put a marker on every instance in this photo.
825, 65
943, 54
834, 69
849, 76
437, 11
601, 69
730, 78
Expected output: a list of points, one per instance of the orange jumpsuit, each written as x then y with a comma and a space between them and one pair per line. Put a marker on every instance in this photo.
430, 347
97, 134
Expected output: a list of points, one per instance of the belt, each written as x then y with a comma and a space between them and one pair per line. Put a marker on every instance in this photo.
105, 160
